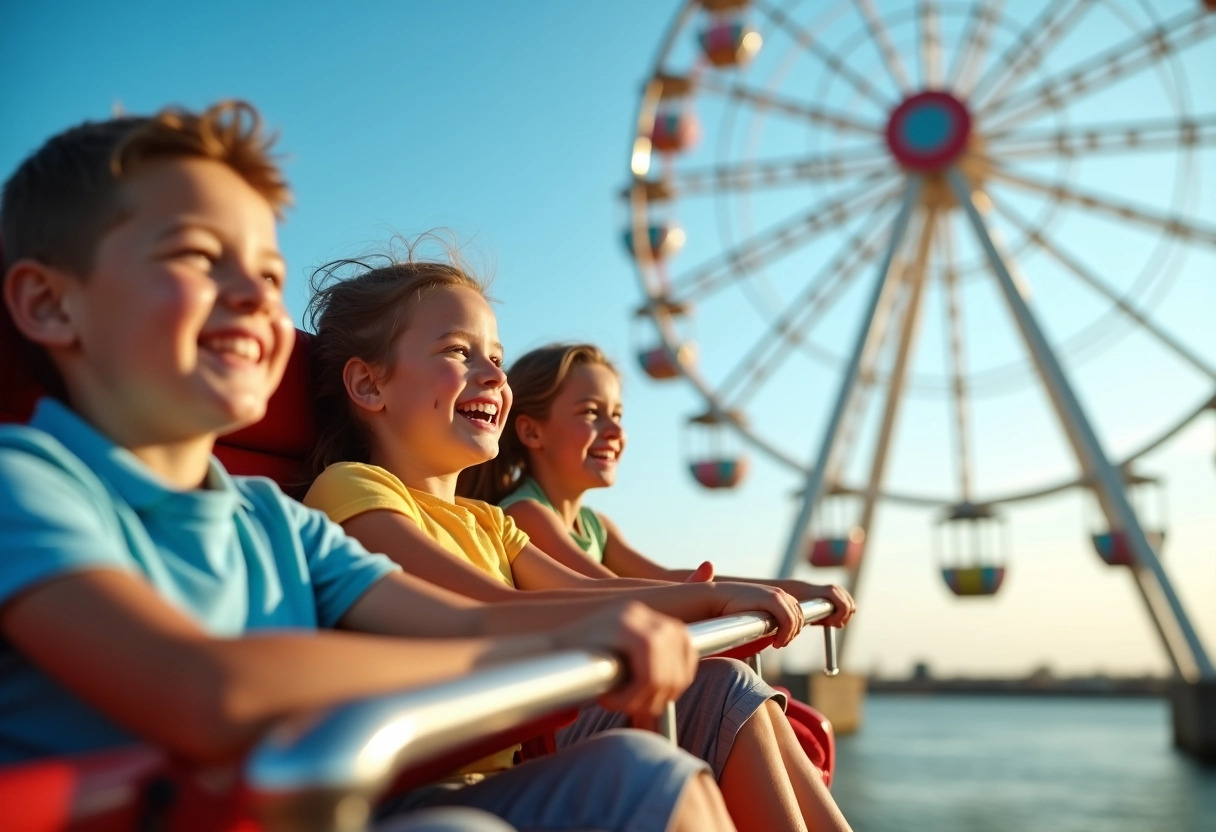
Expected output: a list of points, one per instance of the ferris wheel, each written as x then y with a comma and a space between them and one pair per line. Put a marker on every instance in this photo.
983, 220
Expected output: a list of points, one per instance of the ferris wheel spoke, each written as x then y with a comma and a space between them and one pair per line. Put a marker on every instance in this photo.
803, 37
892, 304
1175, 226
974, 47
775, 173
1090, 279
882, 285
778, 240
1098, 72
765, 356
801, 110
1029, 48
955, 349
878, 31
1158, 134
903, 349
930, 45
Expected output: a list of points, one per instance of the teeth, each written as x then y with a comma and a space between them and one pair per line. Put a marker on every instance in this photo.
238, 345
488, 408
603, 454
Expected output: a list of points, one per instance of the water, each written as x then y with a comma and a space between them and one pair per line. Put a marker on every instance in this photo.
1008, 764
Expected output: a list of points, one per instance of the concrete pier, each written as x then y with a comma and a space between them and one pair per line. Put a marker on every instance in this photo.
1194, 706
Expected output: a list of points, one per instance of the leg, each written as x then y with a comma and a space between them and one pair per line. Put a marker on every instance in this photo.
816, 802
621, 781
733, 720
754, 767
444, 820
701, 808
721, 699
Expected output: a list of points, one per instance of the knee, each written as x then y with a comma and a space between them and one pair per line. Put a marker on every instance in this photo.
727, 670
445, 820
627, 747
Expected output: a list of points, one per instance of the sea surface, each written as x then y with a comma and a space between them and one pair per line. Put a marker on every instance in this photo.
1008, 764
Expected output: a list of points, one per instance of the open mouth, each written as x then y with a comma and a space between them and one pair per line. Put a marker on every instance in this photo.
236, 348
485, 413
603, 454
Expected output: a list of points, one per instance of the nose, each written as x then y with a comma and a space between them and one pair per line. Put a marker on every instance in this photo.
612, 429
248, 289
492, 374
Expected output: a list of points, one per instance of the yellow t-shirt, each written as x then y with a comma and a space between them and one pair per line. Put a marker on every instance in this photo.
469, 529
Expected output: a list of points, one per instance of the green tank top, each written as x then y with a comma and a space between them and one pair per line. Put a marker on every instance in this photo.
589, 534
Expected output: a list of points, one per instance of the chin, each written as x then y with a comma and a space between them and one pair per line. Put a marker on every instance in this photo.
241, 413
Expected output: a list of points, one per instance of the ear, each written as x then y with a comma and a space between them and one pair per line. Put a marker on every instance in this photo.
529, 432
362, 385
35, 295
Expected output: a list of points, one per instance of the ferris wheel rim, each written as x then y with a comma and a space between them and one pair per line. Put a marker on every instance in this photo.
1103, 332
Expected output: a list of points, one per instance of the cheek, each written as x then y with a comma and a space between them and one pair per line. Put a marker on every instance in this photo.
285, 339
186, 301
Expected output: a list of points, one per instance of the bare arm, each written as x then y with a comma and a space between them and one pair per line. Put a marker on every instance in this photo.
620, 557
399, 537
560, 593
544, 528
109, 638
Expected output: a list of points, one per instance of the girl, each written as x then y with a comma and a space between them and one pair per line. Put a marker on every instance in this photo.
562, 438
411, 393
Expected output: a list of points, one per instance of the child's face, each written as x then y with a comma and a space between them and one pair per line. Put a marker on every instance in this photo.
447, 395
582, 438
179, 328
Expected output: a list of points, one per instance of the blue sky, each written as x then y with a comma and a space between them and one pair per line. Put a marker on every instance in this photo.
510, 124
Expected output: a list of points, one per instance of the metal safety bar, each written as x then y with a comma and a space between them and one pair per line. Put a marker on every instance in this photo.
324, 771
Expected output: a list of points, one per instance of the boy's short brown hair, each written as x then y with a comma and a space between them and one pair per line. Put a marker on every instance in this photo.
63, 198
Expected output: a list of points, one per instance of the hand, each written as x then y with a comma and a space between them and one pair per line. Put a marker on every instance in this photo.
843, 602
658, 655
702, 574
778, 603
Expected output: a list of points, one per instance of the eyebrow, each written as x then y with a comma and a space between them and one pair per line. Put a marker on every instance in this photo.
466, 335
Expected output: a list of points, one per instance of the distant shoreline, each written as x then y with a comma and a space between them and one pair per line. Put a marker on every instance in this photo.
1034, 686
1120, 688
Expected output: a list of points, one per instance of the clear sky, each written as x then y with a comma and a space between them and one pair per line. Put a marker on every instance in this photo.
510, 124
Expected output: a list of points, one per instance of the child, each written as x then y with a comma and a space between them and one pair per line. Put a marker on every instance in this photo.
141, 264
564, 437
411, 392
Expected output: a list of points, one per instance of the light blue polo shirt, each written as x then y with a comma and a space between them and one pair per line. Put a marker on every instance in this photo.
237, 556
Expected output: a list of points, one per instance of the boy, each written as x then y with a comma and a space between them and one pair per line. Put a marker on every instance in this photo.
141, 263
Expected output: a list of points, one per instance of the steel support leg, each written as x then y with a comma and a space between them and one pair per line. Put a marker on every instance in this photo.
1102, 475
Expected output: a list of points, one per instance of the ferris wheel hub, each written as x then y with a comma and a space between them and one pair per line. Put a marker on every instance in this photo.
928, 131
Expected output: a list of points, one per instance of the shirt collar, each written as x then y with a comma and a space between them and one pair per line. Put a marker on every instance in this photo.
138, 486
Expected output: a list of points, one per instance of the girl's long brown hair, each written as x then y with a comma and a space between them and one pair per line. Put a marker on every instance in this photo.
358, 309
536, 379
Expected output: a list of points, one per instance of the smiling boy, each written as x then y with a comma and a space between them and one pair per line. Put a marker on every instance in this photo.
144, 593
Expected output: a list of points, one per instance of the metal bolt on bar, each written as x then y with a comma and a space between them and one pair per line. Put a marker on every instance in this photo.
831, 664
323, 771
667, 724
